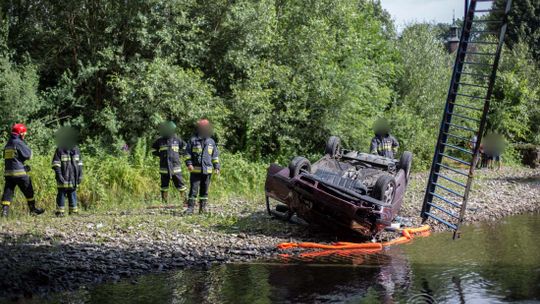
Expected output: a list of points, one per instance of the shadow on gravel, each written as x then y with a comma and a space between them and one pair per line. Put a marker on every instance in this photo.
535, 179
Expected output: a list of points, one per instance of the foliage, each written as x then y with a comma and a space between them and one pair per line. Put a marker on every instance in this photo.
524, 24
276, 78
423, 85
132, 181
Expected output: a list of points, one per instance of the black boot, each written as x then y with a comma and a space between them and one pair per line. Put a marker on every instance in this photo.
33, 209
73, 210
60, 212
5, 210
203, 208
190, 207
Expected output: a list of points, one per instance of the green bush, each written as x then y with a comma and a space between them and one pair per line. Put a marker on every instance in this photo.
132, 181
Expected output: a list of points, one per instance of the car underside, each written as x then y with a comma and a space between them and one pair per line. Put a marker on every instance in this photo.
343, 190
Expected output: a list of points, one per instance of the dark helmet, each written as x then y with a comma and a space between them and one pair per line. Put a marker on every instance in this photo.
381, 126
167, 128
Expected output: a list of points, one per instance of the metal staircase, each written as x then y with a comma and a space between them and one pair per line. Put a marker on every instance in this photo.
465, 113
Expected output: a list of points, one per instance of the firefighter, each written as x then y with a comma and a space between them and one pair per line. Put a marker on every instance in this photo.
68, 168
16, 152
169, 148
383, 143
202, 160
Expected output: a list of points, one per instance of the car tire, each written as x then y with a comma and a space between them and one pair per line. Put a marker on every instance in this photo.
405, 163
333, 146
297, 165
385, 189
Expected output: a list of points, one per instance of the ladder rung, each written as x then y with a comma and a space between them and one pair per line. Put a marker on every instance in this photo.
449, 190
488, 21
457, 136
458, 148
459, 160
467, 107
483, 42
472, 85
477, 63
466, 117
475, 75
469, 96
446, 200
441, 220
461, 127
450, 213
453, 170
484, 32
489, 11
451, 180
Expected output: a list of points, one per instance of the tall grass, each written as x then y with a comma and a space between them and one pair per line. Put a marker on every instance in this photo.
132, 181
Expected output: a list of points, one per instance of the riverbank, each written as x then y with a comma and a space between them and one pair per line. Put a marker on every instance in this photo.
45, 254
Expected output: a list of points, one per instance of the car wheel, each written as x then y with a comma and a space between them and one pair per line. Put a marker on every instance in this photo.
333, 146
298, 165
385, 189
405, 163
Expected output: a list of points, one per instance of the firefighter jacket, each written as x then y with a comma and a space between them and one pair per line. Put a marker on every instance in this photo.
169, 150
203, 155
16, 152
68, 167
385, 145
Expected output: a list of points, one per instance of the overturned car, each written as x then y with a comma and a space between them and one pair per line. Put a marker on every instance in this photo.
344, 189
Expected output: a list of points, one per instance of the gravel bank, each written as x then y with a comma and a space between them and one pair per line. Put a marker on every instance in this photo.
46, 254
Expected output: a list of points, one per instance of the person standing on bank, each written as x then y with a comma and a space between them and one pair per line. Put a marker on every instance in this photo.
169, 148
16, 153
383, 143
68, 169
202, 162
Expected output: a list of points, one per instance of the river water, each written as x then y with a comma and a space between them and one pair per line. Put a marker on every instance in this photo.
491, 263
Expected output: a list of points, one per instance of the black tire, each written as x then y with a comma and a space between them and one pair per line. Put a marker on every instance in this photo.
333, 146
297, 165
385, 189
405, 163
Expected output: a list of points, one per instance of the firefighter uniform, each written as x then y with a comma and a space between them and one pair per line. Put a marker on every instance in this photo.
384, 145
68, 167
170, 150
16, 152
203, 154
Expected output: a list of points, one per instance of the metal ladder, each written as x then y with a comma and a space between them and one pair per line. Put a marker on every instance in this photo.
465, 113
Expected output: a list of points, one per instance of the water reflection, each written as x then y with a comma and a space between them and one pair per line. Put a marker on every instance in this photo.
490, 264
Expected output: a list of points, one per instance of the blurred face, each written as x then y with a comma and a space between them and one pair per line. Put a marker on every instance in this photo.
23, 135
204, 131
66, 138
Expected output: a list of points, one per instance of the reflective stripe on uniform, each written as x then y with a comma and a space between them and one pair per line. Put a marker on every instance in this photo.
10, 153
177, 169
163, 148
60, 209
6, 203
20, 172
183, 189
31, 199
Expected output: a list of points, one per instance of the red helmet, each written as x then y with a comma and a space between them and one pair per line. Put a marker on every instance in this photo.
203, 123
18, 129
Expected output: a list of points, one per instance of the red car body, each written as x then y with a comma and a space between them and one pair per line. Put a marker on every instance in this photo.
323, 195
